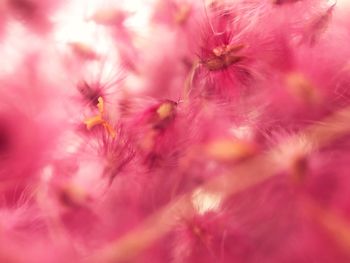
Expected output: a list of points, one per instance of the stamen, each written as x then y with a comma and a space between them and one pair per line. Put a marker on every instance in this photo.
223, 56
163, 115
93, 121
100, 105
165, 110
100, 120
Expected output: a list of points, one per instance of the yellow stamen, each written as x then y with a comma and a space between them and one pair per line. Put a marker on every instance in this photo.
100, 105
165, 110
100, 120
93, 121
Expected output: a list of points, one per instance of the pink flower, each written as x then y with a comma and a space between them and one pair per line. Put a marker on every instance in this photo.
211, 131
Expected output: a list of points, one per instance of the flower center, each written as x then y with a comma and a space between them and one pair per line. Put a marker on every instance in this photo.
99, 119
223, 56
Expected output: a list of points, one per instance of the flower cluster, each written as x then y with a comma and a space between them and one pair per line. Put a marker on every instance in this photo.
176, 131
